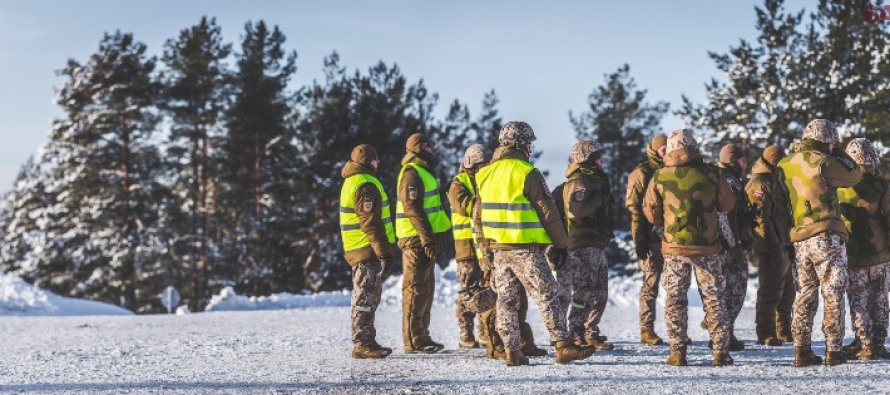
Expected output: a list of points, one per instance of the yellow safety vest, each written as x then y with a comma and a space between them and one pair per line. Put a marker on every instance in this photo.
350, 232
462, 226
508, 217
432, 205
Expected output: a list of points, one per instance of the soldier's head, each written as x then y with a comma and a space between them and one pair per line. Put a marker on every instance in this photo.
475, 157
681, 139
418, 144
733, 155
365, 154
821, 130
517, 134
587, 152
772, 155
657, 146
863, 153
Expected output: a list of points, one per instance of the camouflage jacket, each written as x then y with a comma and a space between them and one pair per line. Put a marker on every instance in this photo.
641, 230
685, 197
461, 198
811, 176
370, 221
866, 212
588, 206
560, 203
769, 209
739, 218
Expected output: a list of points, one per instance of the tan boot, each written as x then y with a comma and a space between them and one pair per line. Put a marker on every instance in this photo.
600, 345
677, 357
567, 352
722, 358
805, 357
783, 332
515, 358
834, 358
468, 341
770, 341
532, 350
365, 352
854, 347
649, 338
865, 354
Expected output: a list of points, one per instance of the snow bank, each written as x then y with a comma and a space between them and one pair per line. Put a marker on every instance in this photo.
229, 300
17, 297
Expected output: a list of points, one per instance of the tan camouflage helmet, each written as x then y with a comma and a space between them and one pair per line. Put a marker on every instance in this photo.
584, 150
681, 138
821, 130
862, 152
475, 155
516, 134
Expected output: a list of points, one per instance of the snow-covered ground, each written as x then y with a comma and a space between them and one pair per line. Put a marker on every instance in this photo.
17, 297
306, 349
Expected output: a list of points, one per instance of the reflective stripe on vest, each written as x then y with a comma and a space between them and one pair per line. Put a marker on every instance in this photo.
508, 217
350, 230
432, 205
462, 226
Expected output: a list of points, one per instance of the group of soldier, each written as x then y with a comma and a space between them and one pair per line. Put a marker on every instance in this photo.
816, 220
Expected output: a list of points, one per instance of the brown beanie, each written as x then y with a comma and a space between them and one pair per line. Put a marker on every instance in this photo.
363, 154
773, 154
416, 142
730, 154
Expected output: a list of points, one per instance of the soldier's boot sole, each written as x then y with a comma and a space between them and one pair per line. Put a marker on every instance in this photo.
834, 358
515, 358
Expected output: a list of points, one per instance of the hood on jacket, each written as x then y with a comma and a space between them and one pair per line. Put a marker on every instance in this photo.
682, 157
352, 168
761, 166
509, 153
583, 169
417, 159
652, 157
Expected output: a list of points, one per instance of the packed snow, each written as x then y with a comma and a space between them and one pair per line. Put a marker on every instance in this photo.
19, 298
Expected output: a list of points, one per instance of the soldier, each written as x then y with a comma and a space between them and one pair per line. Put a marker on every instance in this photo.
421, 223
684, 196
736, 238
810, 177
769, 208
461, 194
866, 212
366, 229
520, 220
646, 237
584, 278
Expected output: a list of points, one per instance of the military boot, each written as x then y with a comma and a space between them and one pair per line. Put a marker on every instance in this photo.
783, 332
468, 341
722, 358
805, 357
515, 358
770, 341
600, 345
879, 349
495, 352
677, 357
687, 341
854, 347
735, 344
567, 352
834, 358
865, 354
532, 350
649, 338
368, 352
377, 346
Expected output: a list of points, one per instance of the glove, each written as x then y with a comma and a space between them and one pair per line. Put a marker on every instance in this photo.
556, 257
432, 249
642, 249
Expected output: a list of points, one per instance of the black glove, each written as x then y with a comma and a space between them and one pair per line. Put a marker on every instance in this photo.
642, 249
433, 250
556, 257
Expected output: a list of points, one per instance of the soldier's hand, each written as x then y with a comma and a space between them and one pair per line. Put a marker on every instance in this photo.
386, 258
556, 257
642, 250
432, 249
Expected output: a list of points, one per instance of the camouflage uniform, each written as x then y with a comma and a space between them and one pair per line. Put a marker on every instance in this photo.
584, 286
810, 178
866, 212
646, 236
366, 292
685, 197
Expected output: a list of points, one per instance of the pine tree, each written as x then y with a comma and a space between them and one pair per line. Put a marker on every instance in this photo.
259, 153
194, 99
489, 123
620, 118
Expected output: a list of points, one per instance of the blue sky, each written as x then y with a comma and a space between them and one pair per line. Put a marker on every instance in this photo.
542, 58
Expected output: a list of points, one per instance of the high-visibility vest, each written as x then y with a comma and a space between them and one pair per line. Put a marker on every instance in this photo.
432, 205
350, 232
508, 217
462, 226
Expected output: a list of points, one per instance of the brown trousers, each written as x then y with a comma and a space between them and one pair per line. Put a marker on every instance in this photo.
418, 290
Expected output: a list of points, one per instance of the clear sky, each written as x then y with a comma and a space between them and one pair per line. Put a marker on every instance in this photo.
542, 58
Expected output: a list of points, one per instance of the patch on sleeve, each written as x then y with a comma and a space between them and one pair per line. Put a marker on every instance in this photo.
412, 193
579, 194
368, 205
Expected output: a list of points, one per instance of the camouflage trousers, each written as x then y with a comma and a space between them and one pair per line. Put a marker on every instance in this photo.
676, 282
469, 275
366, 292
584, 286
775, 293
735, 272
513, 270
652, 267
821, 262
867, 294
